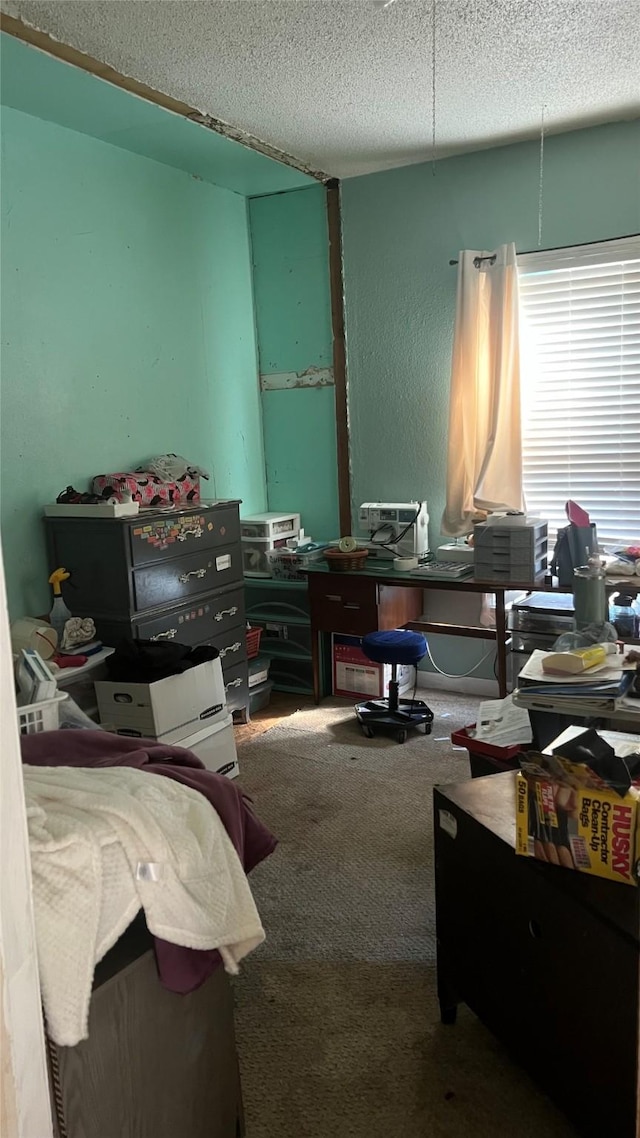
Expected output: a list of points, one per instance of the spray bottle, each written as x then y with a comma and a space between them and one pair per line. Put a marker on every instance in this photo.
59, 614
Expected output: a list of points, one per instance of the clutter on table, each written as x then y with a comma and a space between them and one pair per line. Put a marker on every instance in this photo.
579, 808
260, 534
343, 561
165, 480
510, 547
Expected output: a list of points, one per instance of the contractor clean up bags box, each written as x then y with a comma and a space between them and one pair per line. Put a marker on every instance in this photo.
564, 818
167, 710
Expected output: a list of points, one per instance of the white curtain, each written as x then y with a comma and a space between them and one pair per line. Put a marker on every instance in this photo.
484, 459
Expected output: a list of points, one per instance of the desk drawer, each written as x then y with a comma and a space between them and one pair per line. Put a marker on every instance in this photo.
338, 615
343, 587
201, 572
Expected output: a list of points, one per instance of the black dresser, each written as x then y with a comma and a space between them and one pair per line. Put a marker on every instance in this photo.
161, 576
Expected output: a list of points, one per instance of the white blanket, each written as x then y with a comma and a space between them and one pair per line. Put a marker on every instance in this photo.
106, 842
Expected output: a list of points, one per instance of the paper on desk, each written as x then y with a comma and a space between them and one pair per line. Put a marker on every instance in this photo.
629, 704
610, 670
502, 723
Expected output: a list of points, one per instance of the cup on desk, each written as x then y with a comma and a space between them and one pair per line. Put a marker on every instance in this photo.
589, 596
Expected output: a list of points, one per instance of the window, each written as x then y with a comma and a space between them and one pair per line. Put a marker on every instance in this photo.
580, 366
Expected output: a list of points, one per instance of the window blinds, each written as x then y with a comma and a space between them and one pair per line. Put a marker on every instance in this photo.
580, 366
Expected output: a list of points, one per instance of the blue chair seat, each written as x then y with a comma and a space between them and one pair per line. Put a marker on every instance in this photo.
399, 646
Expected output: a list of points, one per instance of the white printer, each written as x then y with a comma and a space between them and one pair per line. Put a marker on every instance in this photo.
394, 529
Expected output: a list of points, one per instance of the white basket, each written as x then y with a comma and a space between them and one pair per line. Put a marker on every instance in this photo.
41, 716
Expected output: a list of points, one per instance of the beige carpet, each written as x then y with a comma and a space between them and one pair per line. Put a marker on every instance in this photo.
337, 1016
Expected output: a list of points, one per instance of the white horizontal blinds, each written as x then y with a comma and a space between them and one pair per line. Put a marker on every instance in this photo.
580, 353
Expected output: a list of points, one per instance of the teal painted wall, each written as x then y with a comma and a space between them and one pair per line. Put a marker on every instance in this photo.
127, 330
289, 238
50, 89
400, 229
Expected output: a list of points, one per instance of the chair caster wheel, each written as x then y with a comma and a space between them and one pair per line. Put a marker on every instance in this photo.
367, 731
402, 736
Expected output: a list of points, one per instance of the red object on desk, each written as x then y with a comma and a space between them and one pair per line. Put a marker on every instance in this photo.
70, 661
576, 515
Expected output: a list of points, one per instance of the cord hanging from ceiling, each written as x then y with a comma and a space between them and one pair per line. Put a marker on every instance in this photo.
541, 180
434, 11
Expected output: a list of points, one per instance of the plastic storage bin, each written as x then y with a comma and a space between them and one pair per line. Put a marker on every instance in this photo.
284, 638
270, 526
41, 716
258, 671
485, 758
260, 696
253, 635
289, 565
255, 562
276, 600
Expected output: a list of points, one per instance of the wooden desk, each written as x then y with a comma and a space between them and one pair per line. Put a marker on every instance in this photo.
375, 599
546, 957
379, 599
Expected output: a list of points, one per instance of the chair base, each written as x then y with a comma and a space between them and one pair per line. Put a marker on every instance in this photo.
376, 713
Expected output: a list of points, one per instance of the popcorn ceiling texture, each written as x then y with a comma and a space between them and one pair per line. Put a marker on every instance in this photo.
345, 85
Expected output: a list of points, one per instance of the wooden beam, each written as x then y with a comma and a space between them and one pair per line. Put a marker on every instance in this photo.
339, 356
42, 40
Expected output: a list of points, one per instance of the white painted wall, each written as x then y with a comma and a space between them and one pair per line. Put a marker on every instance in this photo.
24, 1090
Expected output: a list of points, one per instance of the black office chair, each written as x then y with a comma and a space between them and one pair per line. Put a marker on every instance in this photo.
400, 646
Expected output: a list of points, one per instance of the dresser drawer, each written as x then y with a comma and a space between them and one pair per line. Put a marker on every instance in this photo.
200, 572
195, 622
236, 686
167, 537
232, 646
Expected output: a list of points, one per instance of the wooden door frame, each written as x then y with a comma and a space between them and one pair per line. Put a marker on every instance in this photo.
25, 1109
339, 355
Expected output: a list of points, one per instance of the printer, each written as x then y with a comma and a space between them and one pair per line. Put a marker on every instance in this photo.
394, 529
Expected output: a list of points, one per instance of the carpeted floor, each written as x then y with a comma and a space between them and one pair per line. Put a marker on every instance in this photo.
337, 1017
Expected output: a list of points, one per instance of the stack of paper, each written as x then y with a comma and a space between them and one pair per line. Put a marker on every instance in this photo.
503, 724
601, 686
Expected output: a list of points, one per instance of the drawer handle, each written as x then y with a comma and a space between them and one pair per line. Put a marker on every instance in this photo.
184, 577
169, 635
352, 606
233, 684
226, 612
230, 648
333, 597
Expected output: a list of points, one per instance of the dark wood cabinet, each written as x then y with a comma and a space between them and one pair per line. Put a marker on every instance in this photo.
156, 1064
546, 957
161, 576
354, 604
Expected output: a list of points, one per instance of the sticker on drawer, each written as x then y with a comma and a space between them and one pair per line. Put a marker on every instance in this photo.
448, 823
223, 562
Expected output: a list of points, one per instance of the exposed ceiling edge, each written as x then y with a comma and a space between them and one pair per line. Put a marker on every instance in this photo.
47, 43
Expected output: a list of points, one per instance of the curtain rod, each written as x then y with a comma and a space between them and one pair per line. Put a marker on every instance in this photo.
477, 261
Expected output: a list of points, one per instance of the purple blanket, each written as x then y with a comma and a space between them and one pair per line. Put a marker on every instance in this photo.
180, 969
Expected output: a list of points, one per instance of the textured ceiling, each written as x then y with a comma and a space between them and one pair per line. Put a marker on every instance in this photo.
346, 85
